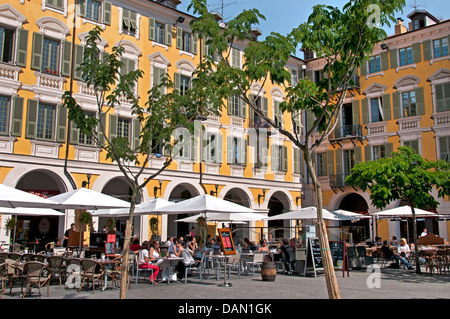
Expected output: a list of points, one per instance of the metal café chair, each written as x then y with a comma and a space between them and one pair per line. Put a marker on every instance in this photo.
91, 270
37, 275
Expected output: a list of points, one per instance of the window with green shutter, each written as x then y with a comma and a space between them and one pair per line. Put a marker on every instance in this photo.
409, 104
444, 148
46, 119
236, 58
405, 56
375, 64
440, 47
442, 97
236, 151
56, 4
129, 21
7, 37
5, 108
414, 144
278, 114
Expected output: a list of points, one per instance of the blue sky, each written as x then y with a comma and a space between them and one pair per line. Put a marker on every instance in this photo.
284, 15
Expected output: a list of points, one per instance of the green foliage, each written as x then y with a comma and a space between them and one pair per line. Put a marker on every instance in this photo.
405, 175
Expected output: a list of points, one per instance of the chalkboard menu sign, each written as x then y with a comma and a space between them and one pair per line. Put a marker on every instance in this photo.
110, 249
339, 254
315, 252
226, 241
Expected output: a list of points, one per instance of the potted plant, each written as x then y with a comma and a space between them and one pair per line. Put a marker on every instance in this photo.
201, 226
154, 226
10, 225
86, 219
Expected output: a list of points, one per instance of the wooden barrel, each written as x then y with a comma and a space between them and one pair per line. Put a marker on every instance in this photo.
268, 271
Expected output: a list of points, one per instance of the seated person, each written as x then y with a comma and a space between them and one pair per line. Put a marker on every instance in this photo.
402, 253
215, 246
144, 261
135, 247
180, 251
264, 249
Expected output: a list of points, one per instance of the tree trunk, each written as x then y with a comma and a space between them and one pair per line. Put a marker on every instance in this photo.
126, 249
416, 247
330, 275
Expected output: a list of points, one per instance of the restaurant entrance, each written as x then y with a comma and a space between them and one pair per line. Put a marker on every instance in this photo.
358, 231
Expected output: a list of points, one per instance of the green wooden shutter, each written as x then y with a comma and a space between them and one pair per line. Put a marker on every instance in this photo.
194, 44
309, 74
66, 58
133, 20
107, 8
355, 112
275, 156
358, 155
22, 47
230, 150
126, 19
102, 124
235, 58
265, 106
330, 162
82, 8
384, 61
388, 149
396, 105
32, 108
363, 68
284, 159
179, 38
242, 149
367, 153
386, 100
74, 133
36, 53
417, 56
113, 122
309, 120
177, 80
242, 107
17, 113
338, 155
393, 58
61, 125
151, 29
136, 133
79, 52
168, 34
420, 106
297, 161
427, 53
365, 111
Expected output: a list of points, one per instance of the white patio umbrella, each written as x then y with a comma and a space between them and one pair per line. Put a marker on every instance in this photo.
28, 211
304, 213
224, 217
205, 204
403, 211
350, 215
146, 208
12, 197
88, 199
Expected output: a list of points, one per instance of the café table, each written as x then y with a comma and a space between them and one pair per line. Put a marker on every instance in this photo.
172, 262
106, 263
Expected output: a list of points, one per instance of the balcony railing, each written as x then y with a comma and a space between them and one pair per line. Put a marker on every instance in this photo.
348, 131
338, 180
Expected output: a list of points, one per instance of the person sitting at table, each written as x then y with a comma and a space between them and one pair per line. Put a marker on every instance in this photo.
180, 251
192, 245
402, 253
215, 246
135, 247
145, 261
263, 248
394, 241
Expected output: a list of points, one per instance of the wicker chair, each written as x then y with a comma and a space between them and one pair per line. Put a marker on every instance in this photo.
38, 275
91, 270
58, 267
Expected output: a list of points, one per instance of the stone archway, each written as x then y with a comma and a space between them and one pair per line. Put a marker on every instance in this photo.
46, 229
279, 203
179, 193
241, 230
357, 231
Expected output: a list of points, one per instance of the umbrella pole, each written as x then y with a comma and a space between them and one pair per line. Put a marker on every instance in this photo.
14, 237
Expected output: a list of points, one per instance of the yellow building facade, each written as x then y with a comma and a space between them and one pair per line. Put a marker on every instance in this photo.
41, 152
400, 99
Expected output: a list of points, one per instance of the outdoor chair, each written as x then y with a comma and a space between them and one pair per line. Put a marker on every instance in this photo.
138, 270
234, 263
91, 270
37, 275
198, 267
26, 257
384, 260
15, 274
116, 272
38, 257
15, 256
58, 267
258, 259
4, 277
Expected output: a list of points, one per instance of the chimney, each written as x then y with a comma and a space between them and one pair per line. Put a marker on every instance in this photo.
399, 27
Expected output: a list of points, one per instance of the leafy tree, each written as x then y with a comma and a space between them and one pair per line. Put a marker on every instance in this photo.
403, 176
164, 112
343, 38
